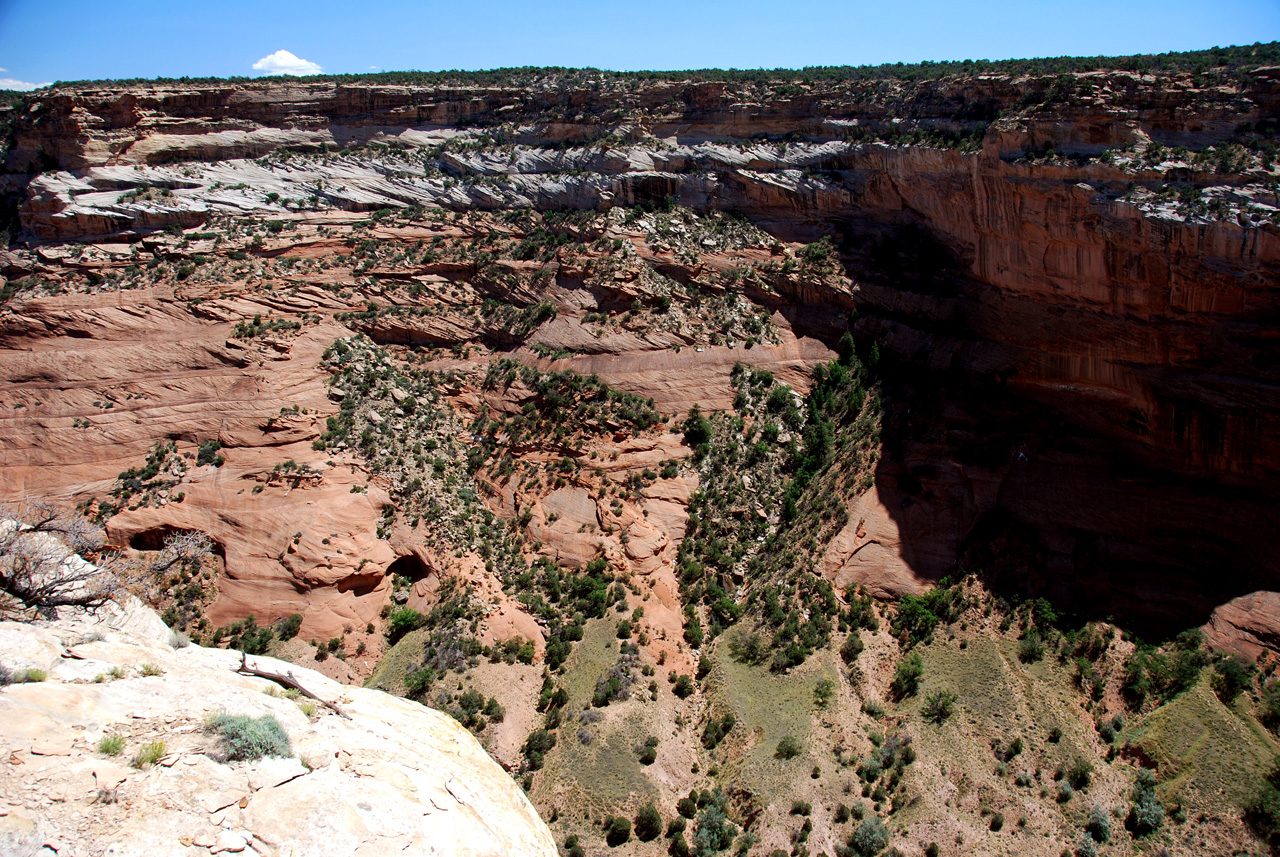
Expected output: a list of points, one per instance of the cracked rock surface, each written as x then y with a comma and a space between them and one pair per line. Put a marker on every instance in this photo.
394, 778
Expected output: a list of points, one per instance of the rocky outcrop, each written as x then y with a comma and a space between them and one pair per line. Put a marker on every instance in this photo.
1248, 626
94, 124
384, 775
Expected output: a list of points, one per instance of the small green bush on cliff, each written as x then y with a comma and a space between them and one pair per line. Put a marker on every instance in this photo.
246, 738
401, 622
906, 678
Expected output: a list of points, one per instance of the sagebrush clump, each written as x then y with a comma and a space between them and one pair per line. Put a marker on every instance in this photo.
246, 738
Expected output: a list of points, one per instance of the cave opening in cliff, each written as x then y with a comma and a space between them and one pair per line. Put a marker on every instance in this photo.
154, 538
409, 566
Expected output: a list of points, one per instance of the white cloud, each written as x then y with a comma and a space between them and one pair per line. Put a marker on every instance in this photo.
19, 85
283, 62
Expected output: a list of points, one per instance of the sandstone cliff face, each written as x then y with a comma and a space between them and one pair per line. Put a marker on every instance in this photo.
391, 776
1088, 378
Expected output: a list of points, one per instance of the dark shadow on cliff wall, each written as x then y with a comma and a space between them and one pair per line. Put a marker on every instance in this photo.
979, 476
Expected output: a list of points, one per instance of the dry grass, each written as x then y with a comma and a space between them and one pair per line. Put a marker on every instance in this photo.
1206, 752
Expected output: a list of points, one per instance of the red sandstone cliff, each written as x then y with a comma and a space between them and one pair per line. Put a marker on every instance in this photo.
1085, 400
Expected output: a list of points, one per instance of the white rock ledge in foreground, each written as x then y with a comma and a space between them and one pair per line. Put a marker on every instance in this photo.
397, 778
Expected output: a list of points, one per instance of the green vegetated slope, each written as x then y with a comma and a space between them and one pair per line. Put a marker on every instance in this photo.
597, 761
1208, 753
821, 722
1024, 761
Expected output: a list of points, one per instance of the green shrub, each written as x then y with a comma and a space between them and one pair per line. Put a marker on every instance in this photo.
1031, 649
29, 675
1269, 706
938, 705
402, 621
870, 838
1145, 812
148, 754
111, 745
1231, 675
1262, 813
246, 738
1164, 675
788, 748
1106, 731
852, 647
208, 454
997, 822
748, 648
150, 669
697, 428
648, 825
823, 692
1079, 773
246, 636
1085, 848
536, 746
918, 616
288, 627
906, 678
617, 831
1099, 823
714, 832
683, 687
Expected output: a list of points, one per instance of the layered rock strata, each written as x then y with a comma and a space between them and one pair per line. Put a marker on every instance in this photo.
1086, 391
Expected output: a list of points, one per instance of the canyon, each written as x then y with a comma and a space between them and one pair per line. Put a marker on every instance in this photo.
440, 348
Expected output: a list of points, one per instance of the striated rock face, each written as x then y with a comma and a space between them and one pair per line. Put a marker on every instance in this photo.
1248, 625
1083, 394
391, 777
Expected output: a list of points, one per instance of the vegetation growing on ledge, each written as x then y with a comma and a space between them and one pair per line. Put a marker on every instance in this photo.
774, 474
562, 406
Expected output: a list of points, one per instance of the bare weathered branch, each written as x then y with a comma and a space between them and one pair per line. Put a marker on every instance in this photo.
286, 680
39, 565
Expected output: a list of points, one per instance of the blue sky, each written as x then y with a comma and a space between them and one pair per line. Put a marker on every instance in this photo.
47, 40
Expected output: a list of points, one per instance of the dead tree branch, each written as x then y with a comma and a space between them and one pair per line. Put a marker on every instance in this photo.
286, 680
